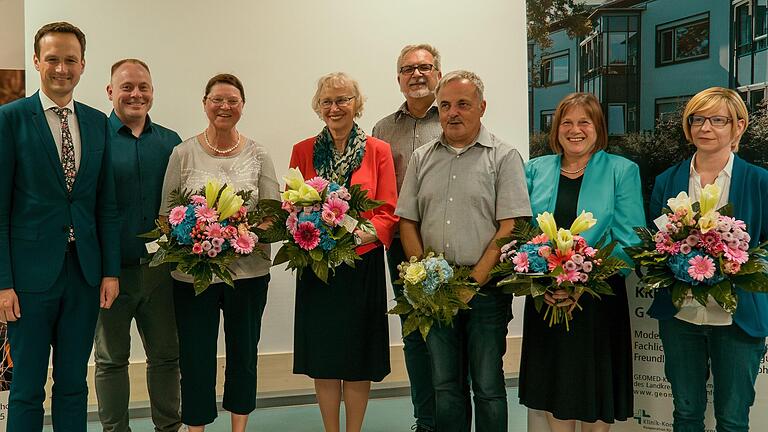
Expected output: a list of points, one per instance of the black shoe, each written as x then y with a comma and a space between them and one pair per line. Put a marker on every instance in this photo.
419, 428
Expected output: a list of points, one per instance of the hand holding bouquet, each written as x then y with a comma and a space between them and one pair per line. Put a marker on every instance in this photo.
700, 251
205, 233
433, 291
315, 221
557, 264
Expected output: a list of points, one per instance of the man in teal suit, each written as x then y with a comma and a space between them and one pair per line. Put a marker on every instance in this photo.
59, 234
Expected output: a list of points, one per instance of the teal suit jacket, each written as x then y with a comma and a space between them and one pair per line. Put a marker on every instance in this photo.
35, 208
610, 190
749, 196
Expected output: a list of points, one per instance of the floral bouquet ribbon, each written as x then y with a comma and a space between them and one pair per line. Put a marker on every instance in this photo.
538, 260
206, 231
315, 220
433, 291
700, 251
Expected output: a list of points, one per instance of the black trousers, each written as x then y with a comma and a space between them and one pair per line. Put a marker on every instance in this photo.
197, 321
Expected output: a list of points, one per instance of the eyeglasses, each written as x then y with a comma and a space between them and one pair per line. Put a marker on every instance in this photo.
219, 101
340, 102
716, 121
423, 68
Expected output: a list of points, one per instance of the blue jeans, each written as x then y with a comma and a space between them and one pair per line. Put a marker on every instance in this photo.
415, 351
732, 356
477, 340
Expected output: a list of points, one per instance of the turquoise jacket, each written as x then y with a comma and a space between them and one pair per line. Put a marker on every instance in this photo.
748, 195
610, 190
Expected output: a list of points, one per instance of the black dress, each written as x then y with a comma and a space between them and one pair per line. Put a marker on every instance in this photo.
341, 329
584, 374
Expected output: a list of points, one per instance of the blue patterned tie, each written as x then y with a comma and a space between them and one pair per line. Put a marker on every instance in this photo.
67, 155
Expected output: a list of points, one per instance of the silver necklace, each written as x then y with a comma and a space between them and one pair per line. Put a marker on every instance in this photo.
573, 172
217, 150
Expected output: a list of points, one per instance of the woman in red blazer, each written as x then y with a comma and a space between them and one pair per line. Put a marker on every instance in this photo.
341, 336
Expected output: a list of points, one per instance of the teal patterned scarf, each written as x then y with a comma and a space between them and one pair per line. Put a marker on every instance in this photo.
338, 167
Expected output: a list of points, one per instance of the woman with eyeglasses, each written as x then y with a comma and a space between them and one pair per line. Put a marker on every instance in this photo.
699, 340
220, 152
341, 336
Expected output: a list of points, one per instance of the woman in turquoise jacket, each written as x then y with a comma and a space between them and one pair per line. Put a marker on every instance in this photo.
699, 340
585, 374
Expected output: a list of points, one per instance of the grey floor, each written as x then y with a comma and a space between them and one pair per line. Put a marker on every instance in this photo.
383, 415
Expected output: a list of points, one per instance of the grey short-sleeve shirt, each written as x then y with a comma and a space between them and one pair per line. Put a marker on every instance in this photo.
459, 197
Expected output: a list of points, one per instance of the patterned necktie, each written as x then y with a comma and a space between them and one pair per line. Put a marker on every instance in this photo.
67, 148
67, 155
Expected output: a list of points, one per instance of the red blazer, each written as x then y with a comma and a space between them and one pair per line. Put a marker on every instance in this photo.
376, 175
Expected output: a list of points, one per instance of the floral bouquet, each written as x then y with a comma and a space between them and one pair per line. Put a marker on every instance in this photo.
701, 251
433, 291
205, 232
537, 260
315, 221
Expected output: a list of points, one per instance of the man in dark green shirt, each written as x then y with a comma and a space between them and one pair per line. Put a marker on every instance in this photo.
140, 155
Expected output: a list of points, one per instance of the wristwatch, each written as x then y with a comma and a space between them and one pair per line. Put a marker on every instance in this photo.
356, 237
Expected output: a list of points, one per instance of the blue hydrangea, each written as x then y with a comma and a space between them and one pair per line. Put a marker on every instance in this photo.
333, 187
536, 263
313, 217
679, 266
438, 272
326, 242
182, 230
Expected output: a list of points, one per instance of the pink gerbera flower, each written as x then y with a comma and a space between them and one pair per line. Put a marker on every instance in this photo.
307, 236
540, 239
568, 275
521, 262
198, 199
177, 215
214, 230
702, 267
736, 255
338, 207
244, 243
291, 222
206, 214
318, 183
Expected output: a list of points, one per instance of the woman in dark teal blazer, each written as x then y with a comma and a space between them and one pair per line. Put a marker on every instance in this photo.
581, 176
699, 340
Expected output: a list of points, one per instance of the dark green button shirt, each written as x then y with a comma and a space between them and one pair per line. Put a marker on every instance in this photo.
139, 166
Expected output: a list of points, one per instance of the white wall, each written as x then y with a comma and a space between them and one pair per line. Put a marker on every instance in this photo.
12, 40
279, 49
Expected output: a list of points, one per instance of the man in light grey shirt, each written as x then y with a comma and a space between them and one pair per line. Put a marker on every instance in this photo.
414, 124
460, 194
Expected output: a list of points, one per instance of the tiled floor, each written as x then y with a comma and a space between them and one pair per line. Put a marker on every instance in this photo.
383, 415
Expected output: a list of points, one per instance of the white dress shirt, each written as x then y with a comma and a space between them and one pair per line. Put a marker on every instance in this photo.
54, 123
692, 311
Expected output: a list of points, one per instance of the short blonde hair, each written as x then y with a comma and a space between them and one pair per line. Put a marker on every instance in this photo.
338, 80
712, 99
594, 111
411, 48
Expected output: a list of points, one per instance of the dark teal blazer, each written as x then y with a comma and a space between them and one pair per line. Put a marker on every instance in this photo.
749, 196
35, 208
610, 190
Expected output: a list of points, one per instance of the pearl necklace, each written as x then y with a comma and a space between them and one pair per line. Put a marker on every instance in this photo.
573, 172
217, 150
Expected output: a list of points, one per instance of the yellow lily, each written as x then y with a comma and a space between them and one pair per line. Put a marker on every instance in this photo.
547, 224
229, 203
582, 223
682, 201
212, 188
294, 179
308, 194
710, 195
564, 240
708, 221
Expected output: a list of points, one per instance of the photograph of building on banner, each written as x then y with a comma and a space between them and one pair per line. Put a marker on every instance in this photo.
644, 60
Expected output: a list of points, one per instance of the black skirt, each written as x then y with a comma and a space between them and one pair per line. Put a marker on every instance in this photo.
584, 374
341, 329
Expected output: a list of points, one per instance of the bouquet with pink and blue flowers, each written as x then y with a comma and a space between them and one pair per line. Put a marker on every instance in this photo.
315, 220
205, 232
540, 260
700, 251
